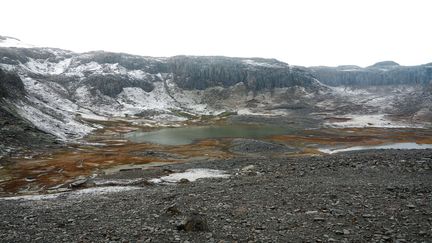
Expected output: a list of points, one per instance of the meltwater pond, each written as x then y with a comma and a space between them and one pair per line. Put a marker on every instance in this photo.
187, 135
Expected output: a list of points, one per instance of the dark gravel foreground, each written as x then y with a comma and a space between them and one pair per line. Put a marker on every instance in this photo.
370, 196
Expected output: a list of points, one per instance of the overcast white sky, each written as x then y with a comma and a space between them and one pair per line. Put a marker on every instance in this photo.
300, 32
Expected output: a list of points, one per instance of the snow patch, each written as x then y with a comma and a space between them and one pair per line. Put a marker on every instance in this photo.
139, 74
49, 111
191, 175
135, 100
75, 194
377, 120
262, 64
47, 68
386, 146
91, 116
63, 129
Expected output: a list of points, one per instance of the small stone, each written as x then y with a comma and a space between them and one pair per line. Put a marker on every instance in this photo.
311, 212
195, 222
167, 171
81, 183
184, 181
240, 211
337, 212
172, 210
411, 206
251, 173
346, 232
30, 179
319, 219
390, 188
248, 168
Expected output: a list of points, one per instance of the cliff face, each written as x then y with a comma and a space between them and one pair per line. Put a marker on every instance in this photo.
382, 73
201, 72
256, 73
108, 72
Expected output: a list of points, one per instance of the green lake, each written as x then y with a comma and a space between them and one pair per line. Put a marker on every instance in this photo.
187, 135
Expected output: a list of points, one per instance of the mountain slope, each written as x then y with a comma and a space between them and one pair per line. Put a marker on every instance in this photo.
16, 132
64, 94
65, 91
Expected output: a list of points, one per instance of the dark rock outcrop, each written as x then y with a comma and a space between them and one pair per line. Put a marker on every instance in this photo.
256, 73
151, 65
201, 72
112, 85
195, 222
11, 85
188, 72
382, 73
15, 56
250, 146
16, 133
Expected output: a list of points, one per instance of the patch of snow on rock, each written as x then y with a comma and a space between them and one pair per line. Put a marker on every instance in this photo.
135, 99
377, 120
74, 194
386, 146
191, 175
63, 129
46, 67
261, 64
49, 111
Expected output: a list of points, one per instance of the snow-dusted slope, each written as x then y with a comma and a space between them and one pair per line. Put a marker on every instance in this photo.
67, 91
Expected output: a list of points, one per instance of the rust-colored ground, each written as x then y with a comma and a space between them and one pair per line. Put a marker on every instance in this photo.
355, 137
62, 166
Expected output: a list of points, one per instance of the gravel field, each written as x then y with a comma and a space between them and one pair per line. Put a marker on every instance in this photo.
368, 196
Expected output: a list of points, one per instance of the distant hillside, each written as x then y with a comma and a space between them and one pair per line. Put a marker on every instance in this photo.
382, 73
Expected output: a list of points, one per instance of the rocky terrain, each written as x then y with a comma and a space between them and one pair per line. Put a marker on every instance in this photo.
16, 132
58, 96
381, 73
63, 93
370, 196
75, 109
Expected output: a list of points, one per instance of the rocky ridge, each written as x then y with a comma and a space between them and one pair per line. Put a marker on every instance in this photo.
381, 73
